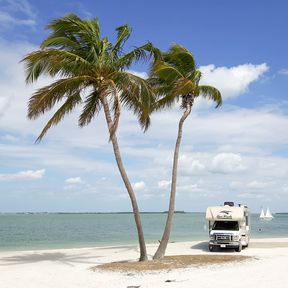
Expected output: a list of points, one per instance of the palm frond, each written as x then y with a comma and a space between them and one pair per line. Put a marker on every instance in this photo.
75, 52
54, 62
176, 76
86, 31
211, 93
65, 109
73, 34
123, 34
165, 72
45, 98
142, 53
92, 106
180, 58
136, 95
183, 86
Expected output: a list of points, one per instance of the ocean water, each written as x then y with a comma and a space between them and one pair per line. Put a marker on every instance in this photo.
51, 231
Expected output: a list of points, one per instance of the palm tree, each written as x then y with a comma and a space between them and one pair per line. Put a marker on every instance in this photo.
176, 77
91, 73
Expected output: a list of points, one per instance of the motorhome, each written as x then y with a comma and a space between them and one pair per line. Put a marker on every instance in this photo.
229, 226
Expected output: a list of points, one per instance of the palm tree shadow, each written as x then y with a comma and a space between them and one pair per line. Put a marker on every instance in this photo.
59, 257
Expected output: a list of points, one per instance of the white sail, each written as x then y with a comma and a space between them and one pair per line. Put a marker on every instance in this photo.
262, 215
268, 214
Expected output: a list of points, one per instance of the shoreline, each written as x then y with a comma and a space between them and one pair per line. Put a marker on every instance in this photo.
72, 267
148, 243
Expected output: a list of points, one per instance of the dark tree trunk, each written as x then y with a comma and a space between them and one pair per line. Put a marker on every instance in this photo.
136, 213
166, 234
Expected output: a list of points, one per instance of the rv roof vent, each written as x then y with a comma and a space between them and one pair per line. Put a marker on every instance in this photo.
231, 204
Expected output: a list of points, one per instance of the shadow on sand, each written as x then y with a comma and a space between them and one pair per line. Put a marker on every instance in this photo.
203, 246
60, 257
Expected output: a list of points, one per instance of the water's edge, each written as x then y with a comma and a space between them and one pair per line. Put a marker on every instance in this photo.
61, 231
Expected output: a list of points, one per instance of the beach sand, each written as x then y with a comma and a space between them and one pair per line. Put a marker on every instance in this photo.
71, 268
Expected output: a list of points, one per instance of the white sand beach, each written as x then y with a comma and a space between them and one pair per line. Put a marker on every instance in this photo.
70, 268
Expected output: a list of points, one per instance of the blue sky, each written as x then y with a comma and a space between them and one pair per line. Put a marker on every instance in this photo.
237, 152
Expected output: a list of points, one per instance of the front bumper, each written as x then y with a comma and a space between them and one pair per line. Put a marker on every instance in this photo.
231, 245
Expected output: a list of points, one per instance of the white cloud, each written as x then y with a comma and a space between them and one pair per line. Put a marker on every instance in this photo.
139, 185
232, 81
8, 20
257, 185
235, 184
4, 103
247, 195
16, 12
283, 71
191, 188
230, 130
164, 184
9, 138
75, 180
191, 164
23, 175
227, 163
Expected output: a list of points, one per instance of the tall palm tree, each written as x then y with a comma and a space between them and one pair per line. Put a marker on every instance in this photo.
176, 77
92, 73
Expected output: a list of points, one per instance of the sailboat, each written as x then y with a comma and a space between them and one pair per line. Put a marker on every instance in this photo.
262, 214
266, 216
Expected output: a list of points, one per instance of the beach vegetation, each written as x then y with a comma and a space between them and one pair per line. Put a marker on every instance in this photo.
92, 73
169, 263
175, 78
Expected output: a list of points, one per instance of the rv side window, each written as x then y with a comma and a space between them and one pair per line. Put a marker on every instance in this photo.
226, 225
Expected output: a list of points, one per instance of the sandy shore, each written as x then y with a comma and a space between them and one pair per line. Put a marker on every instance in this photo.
70, 268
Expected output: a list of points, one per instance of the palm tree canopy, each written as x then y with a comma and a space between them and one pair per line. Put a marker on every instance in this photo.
87, 68
175, 75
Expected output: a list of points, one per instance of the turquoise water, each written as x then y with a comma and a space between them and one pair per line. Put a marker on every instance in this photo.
49, 231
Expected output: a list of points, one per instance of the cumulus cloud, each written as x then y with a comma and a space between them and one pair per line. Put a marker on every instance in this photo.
164, 184
232, 81
188, 164
227, 163
23, 175
75, 180
250, 131
139, 185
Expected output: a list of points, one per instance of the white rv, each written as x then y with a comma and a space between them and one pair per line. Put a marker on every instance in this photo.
228, 226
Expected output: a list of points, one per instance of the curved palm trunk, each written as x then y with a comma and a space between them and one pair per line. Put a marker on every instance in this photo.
166, 234
113, 138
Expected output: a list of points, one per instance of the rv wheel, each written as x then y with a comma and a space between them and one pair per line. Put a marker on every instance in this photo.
239, 248
211, 248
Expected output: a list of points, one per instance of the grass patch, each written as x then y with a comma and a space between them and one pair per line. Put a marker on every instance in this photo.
171, 262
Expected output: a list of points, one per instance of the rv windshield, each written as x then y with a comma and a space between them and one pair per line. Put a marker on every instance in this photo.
226, 225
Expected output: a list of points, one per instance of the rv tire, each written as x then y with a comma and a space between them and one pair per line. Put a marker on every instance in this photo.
211, 248
239, 248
